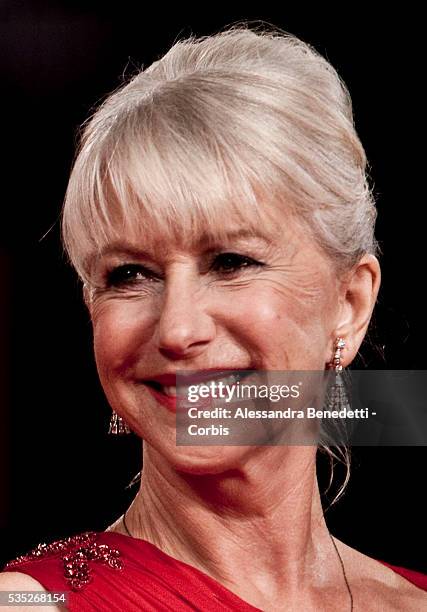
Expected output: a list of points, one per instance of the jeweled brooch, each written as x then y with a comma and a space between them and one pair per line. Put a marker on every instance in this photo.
78, 551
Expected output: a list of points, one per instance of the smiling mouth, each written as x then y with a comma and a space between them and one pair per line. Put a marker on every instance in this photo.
169, 390
181, 391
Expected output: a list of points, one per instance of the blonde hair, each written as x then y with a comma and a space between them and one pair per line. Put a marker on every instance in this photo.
222, 125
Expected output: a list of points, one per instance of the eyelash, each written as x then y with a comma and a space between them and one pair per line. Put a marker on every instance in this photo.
243, 262
117, 276
227, 263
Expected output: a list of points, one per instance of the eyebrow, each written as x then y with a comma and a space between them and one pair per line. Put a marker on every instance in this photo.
126, 248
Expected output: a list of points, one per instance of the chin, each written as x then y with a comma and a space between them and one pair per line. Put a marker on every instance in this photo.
201, 460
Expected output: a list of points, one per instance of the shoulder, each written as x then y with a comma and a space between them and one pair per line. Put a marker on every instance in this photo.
124, 573
383, 586
65, 564
414, 577
16, 581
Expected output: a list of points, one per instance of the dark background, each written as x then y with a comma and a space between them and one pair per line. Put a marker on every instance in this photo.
60, 473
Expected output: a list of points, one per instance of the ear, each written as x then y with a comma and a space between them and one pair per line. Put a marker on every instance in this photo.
357, 300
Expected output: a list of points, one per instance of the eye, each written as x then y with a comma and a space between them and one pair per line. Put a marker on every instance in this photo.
229, 263
129, 274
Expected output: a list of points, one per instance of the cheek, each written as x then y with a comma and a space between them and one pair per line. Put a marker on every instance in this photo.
119, 333
288, 328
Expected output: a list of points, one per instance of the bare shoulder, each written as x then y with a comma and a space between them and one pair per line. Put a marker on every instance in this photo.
16, 581
379, 586
19, 581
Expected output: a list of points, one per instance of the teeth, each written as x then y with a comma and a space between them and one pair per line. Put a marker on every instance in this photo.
182, 390
173, 391
230, 380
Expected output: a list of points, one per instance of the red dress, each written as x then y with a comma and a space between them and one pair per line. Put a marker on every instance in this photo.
108, 571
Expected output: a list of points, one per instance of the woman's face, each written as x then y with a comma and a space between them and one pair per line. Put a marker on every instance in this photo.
244, 303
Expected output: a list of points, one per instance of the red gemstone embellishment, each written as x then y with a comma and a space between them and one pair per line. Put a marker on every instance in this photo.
78, 551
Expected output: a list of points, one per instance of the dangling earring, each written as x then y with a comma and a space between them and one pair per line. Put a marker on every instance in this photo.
118, 426
337, 397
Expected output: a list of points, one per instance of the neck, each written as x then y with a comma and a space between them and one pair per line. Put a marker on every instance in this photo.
258, 524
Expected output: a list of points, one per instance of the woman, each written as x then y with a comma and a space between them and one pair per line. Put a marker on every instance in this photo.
219, 216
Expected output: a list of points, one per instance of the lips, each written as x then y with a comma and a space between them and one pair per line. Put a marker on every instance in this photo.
164, 390
175, 402
169, 379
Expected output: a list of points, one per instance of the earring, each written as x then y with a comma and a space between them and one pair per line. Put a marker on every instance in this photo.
118, 426
337, 397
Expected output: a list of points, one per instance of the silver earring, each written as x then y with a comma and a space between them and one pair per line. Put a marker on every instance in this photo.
118, 425
337, 397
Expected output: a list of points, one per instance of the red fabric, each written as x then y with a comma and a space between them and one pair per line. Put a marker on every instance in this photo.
150, 580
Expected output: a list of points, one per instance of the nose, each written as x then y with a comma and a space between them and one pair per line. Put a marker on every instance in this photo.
185, 327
